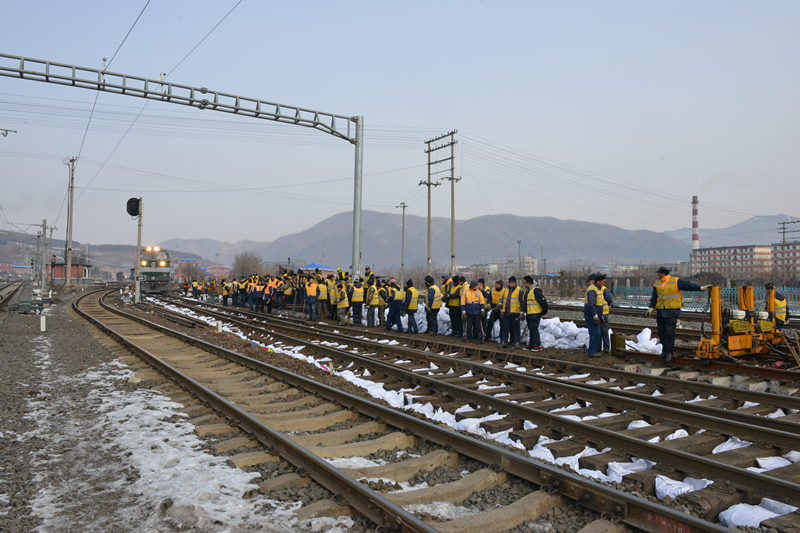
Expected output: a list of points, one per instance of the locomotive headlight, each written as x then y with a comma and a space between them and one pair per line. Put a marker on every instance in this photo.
144, 263
156, 249
162, 263
149, 248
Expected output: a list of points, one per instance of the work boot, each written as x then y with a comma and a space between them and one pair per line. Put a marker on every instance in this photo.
668, 358
504, 345
516, 346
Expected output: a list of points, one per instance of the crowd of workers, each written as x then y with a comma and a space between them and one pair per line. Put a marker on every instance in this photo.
472, 307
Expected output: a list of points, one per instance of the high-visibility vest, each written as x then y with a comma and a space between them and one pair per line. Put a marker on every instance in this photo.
437, 297
342, 301
669, 296
323, 291
532, 306
781, 308
455, 296
372, 296
472, 301
383, 296
496, 296
413, 304
311, 289
225, 289
600, 301
510, 300
606, 307
358, 294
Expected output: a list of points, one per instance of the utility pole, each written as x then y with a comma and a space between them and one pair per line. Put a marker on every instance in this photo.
452, 144
44, 256
70, 216
50, 255
784, 255
541, 263
519, 258
429, 184
137, 282
403, 205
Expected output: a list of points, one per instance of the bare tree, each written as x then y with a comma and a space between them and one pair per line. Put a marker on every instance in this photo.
246, 263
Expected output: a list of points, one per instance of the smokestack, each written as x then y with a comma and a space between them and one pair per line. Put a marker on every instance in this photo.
695, 225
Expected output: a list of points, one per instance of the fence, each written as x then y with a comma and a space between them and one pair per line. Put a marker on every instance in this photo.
639, 297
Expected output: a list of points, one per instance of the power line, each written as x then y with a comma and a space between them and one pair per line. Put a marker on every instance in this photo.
136, 118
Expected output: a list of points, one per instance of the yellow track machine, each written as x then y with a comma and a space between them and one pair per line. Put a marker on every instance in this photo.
742, 330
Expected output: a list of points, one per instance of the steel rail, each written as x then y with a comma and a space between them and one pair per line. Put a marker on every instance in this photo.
634, 511
745, 480
6, 297
366, 501
792, 402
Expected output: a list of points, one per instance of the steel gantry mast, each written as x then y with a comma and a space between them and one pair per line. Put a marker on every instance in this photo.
350, 129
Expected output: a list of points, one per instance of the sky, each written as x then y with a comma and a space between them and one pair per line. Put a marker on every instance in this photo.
608, 111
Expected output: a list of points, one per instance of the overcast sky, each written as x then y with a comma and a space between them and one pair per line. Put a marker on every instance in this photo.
615, 112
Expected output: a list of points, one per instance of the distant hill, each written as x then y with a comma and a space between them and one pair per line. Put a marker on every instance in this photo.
755, 230
478, 240
18, 247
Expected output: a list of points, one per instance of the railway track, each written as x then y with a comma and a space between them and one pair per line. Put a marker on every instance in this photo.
296, 418
8, 290
576, 414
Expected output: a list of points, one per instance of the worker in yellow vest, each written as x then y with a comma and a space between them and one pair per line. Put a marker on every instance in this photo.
372, 302
434, 304
667, 300
453, 294
342, 303
510, 309
226, 291
322, 298
535, 309
312, 291
781, 312
410, 305
357, 301
395, 299
494, 304
473, 308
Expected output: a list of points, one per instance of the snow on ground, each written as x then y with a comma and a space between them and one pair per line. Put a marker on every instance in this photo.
554, 333
441, 510
135, 450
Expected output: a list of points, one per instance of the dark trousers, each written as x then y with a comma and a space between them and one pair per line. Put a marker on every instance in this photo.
594, 333
412, 321
509, 326
433, 322
474, 327
225, 300
251, 300
371, 310
393, 319
322, 308
455, 321
605, 337
381, 314
533, 330
779, 324
666, 333
494, 316
357, 311
311, 308
341, 313
236, 298
259, 301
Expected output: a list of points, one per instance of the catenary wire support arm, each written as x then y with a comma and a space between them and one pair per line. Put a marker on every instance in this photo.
349, 128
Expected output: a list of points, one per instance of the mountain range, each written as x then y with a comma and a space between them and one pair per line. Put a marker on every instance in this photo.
478, 240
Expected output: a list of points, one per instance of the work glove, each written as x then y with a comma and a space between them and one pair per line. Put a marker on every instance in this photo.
596, 319
705, 287
649, 312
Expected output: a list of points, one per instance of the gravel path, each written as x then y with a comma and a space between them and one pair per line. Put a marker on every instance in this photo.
84, 449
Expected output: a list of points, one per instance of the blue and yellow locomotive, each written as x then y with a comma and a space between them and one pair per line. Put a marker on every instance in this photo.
154, 265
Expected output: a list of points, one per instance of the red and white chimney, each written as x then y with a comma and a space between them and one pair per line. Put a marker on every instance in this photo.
695, 225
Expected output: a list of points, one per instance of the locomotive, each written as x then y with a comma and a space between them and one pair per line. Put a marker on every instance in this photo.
154, 266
